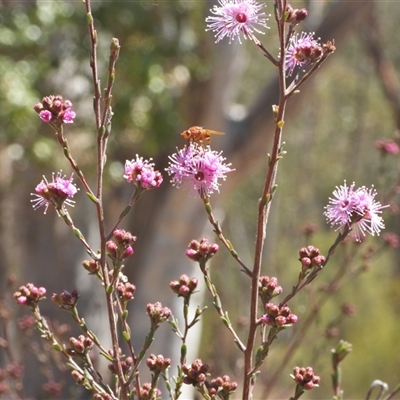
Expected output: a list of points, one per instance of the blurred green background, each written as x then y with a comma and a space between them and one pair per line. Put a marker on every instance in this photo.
171, 75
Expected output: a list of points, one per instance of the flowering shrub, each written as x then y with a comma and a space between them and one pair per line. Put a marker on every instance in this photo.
202, 171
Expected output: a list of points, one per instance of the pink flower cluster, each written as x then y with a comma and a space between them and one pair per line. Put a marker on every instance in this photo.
142, 174
57, 192
305, 377
278, 316
357, 208
29, 294
120, 247
55, 108
198, 168
302, 51
235, 17
201, 251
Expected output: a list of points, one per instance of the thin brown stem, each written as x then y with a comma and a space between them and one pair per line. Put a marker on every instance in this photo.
67, 153
218, 307
134, 198
68, 220
295, 85
101, 148
221, 237
265, 204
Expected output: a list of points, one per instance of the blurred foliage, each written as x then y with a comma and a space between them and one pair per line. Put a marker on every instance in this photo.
44, 49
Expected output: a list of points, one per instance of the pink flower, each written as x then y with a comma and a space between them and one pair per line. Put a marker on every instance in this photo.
234, 17
68, 116
302, 51
57, 192
45, 115
142, 174
198, 168
387, 146
355, 207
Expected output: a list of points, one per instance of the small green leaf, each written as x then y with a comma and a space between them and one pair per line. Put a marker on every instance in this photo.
89, 18
183, 351
225, 321
126, 335
110, 289
57, 347
217, 301
92, 197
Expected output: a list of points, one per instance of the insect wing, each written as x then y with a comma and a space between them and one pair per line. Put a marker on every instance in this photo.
211, 132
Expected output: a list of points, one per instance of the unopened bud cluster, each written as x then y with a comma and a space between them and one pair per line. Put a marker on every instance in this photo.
121, 247
278, 316
126, 291
55, 109
126, 365
126, 362
10, 377
66, 299
158, 313
221, 387
305, 377
29, 294
268, 288
26, 322
158, 363
80, 345
294, 16
201, 251
196, 373
185, 286
148, 393
52, 389
310, 257
91, 266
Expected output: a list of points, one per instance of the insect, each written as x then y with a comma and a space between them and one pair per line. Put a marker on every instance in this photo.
199, 134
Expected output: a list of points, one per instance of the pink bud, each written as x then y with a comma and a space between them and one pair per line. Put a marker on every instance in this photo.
22, 300
128, 252
267, 320
291, 319
280, 320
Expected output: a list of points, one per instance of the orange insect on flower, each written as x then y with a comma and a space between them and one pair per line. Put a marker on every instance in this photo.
199, 134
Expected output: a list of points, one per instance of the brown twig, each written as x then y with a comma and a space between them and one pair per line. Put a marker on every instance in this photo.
101, 149
265, 204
